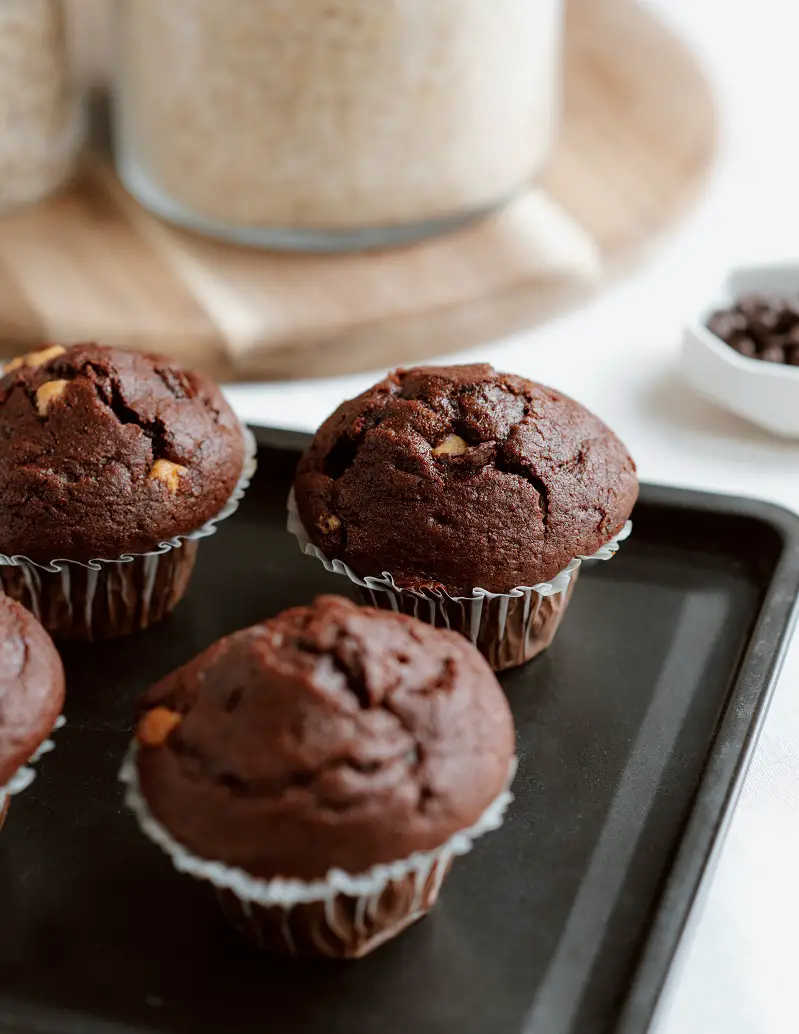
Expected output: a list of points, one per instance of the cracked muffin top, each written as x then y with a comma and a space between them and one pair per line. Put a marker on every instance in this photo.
459, 477
31, 686
331, 736
104, 452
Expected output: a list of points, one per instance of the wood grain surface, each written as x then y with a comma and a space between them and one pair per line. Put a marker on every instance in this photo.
637, 137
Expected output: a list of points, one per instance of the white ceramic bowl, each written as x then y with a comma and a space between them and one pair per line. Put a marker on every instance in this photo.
767, 394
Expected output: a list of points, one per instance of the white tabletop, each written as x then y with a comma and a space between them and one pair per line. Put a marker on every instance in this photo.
620, 357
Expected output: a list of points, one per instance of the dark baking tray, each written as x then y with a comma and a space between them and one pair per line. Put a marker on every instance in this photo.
634, 733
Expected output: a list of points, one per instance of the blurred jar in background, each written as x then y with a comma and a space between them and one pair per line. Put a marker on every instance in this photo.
41, 122
333, 123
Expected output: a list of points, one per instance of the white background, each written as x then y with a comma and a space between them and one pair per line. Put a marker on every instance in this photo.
620, 357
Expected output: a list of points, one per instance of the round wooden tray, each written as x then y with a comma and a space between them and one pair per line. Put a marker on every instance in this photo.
637, 138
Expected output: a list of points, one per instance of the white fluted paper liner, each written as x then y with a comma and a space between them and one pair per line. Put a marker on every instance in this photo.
385, 582
289, 892
61, 565
24, 776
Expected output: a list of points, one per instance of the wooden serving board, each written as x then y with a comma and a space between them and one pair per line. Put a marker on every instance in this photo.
636, 140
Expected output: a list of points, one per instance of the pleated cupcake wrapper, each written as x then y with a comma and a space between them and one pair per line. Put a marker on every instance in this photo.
93, 581
428, 603
24, 776
61, 565
287, 893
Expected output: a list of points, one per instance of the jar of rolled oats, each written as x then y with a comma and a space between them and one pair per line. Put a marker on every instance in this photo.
40, 118
333, 124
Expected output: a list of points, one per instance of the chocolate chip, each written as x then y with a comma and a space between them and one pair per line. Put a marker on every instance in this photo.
760, 327
767, 319
789, 319
727, 324
745, 345
754, 305
773, 354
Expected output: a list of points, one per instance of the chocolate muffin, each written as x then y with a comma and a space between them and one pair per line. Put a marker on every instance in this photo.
104, 454
460, 481
31, 692
330, 739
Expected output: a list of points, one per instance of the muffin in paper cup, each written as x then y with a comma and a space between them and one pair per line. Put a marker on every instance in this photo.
31, 698
322, 771
92, 511
467, 498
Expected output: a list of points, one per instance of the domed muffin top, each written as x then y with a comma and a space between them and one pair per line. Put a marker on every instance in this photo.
332, 736
31, 686
105, 452
461, 477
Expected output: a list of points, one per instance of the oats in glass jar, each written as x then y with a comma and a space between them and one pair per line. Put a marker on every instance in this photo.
333, 115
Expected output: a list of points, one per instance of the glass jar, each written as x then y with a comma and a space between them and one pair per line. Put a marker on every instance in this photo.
333, 124
40, 120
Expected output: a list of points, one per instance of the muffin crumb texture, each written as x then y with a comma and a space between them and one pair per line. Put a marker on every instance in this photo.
332, 736
104, 452
460, 477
